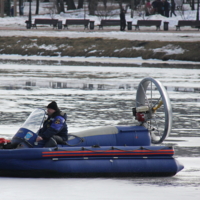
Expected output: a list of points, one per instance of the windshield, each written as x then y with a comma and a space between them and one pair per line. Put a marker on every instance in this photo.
35, 120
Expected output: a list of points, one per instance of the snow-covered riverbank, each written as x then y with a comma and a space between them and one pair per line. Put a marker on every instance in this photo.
172, 45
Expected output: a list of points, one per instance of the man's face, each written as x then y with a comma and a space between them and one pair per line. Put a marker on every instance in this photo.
50, 111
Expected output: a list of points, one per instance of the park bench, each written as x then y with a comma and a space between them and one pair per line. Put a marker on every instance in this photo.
191, 23
51, 22
109, 22
156, 23
84, 22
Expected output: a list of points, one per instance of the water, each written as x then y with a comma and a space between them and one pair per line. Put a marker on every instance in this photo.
100, 96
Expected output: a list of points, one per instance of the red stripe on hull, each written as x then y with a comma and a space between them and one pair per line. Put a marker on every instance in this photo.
107, 153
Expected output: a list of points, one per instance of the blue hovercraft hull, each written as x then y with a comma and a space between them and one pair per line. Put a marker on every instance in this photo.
100, 152
89, 162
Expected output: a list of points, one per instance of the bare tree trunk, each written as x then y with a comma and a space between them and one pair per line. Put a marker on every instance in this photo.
92, 6
132, 6
15, 7
71, 5
80, 3
2, 7
192, 5
136, 3
105, 3
20, 7
37, 7
62, 7
7, 8
57, 6
120, 4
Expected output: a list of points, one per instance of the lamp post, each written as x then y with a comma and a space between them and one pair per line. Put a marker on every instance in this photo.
197, 10
29, 16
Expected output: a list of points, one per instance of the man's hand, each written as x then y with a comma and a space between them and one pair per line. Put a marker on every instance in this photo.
38, 139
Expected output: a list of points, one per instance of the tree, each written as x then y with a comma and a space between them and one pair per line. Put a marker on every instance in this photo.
132, 6
62, 7
37, 7
7, 7
20, 7
92, 6
105, 3
70, 5
120, 4
59, 5
80, 4
192, 5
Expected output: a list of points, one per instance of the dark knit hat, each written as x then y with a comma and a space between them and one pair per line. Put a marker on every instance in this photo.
53, 105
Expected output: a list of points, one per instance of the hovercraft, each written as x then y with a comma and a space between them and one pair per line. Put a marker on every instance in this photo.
111, 151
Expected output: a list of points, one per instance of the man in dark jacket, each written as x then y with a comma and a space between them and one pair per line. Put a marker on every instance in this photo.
160, 9
155, 6
122, 20
54, 129
166, 6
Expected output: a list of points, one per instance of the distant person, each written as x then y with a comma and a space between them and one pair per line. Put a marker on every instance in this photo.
21, 12
160, 7
12, 11
173, 7
122, 20
148, 8
155, 6
166, 8
54, 129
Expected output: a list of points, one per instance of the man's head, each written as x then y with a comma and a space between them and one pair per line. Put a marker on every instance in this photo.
52, 108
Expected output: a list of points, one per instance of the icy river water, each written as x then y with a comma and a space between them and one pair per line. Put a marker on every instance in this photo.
99, 96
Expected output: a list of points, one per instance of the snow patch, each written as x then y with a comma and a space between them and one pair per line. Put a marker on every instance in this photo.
135, 48
170, 49
48, 47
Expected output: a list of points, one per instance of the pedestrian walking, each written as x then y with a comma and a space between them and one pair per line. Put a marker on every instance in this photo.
173, 7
